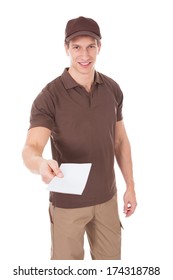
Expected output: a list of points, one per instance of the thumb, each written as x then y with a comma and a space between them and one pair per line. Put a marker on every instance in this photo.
126, 205
55, 168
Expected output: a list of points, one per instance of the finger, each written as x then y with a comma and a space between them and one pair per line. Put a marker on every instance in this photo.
125, 207
55, 168
130, 210
47, 177
59, 174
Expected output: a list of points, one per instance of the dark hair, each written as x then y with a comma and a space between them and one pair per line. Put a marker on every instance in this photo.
68, 42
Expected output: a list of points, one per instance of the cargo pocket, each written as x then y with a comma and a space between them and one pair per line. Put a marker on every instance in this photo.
121, 225
51, 211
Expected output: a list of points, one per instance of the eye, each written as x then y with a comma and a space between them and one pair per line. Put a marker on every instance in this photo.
76, 47
92, 47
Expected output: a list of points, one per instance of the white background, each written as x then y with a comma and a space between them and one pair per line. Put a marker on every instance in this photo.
137, 52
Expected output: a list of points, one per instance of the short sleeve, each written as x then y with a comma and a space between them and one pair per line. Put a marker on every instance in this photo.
43, 111
120, 104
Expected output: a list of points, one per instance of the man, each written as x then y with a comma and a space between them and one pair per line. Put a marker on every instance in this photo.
81, 112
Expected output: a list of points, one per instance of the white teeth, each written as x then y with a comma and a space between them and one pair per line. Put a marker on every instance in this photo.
84, 63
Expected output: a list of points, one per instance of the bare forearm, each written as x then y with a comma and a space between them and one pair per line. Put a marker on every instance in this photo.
37, 164
32, 155
124, 160
32, 158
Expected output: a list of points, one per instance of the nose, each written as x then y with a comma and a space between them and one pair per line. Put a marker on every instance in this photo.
84, 53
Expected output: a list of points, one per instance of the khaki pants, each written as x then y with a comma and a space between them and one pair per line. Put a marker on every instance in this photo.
100, 222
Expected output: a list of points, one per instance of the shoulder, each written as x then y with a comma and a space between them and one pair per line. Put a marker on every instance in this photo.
59, 85
50, 90
106, 78
53, 85
111, 84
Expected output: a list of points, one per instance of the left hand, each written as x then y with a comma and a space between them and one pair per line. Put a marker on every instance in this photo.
129, 202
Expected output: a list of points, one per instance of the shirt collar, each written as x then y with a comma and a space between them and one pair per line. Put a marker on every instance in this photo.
69, 82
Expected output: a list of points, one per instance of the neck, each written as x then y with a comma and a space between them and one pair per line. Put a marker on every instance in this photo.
84, 79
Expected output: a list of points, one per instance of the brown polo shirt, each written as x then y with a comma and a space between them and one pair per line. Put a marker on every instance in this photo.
83, 131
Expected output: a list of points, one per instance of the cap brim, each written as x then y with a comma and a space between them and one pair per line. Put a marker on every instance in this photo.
82, 33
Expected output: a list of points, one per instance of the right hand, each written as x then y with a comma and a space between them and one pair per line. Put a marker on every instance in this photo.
49, 169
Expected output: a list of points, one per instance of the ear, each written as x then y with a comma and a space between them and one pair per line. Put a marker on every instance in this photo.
99, 46
66, 48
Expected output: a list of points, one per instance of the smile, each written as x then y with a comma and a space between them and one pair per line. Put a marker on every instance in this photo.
84, 63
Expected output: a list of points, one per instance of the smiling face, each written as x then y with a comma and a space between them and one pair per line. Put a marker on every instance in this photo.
83, 51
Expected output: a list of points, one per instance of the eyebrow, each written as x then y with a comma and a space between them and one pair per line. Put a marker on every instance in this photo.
76, 44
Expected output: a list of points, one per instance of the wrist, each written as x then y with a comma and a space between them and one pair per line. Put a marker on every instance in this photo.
130, 186
38, 164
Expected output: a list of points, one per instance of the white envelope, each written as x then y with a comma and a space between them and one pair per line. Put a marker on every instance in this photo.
74, 180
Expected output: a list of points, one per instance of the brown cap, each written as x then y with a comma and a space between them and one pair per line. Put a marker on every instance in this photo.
82, 26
